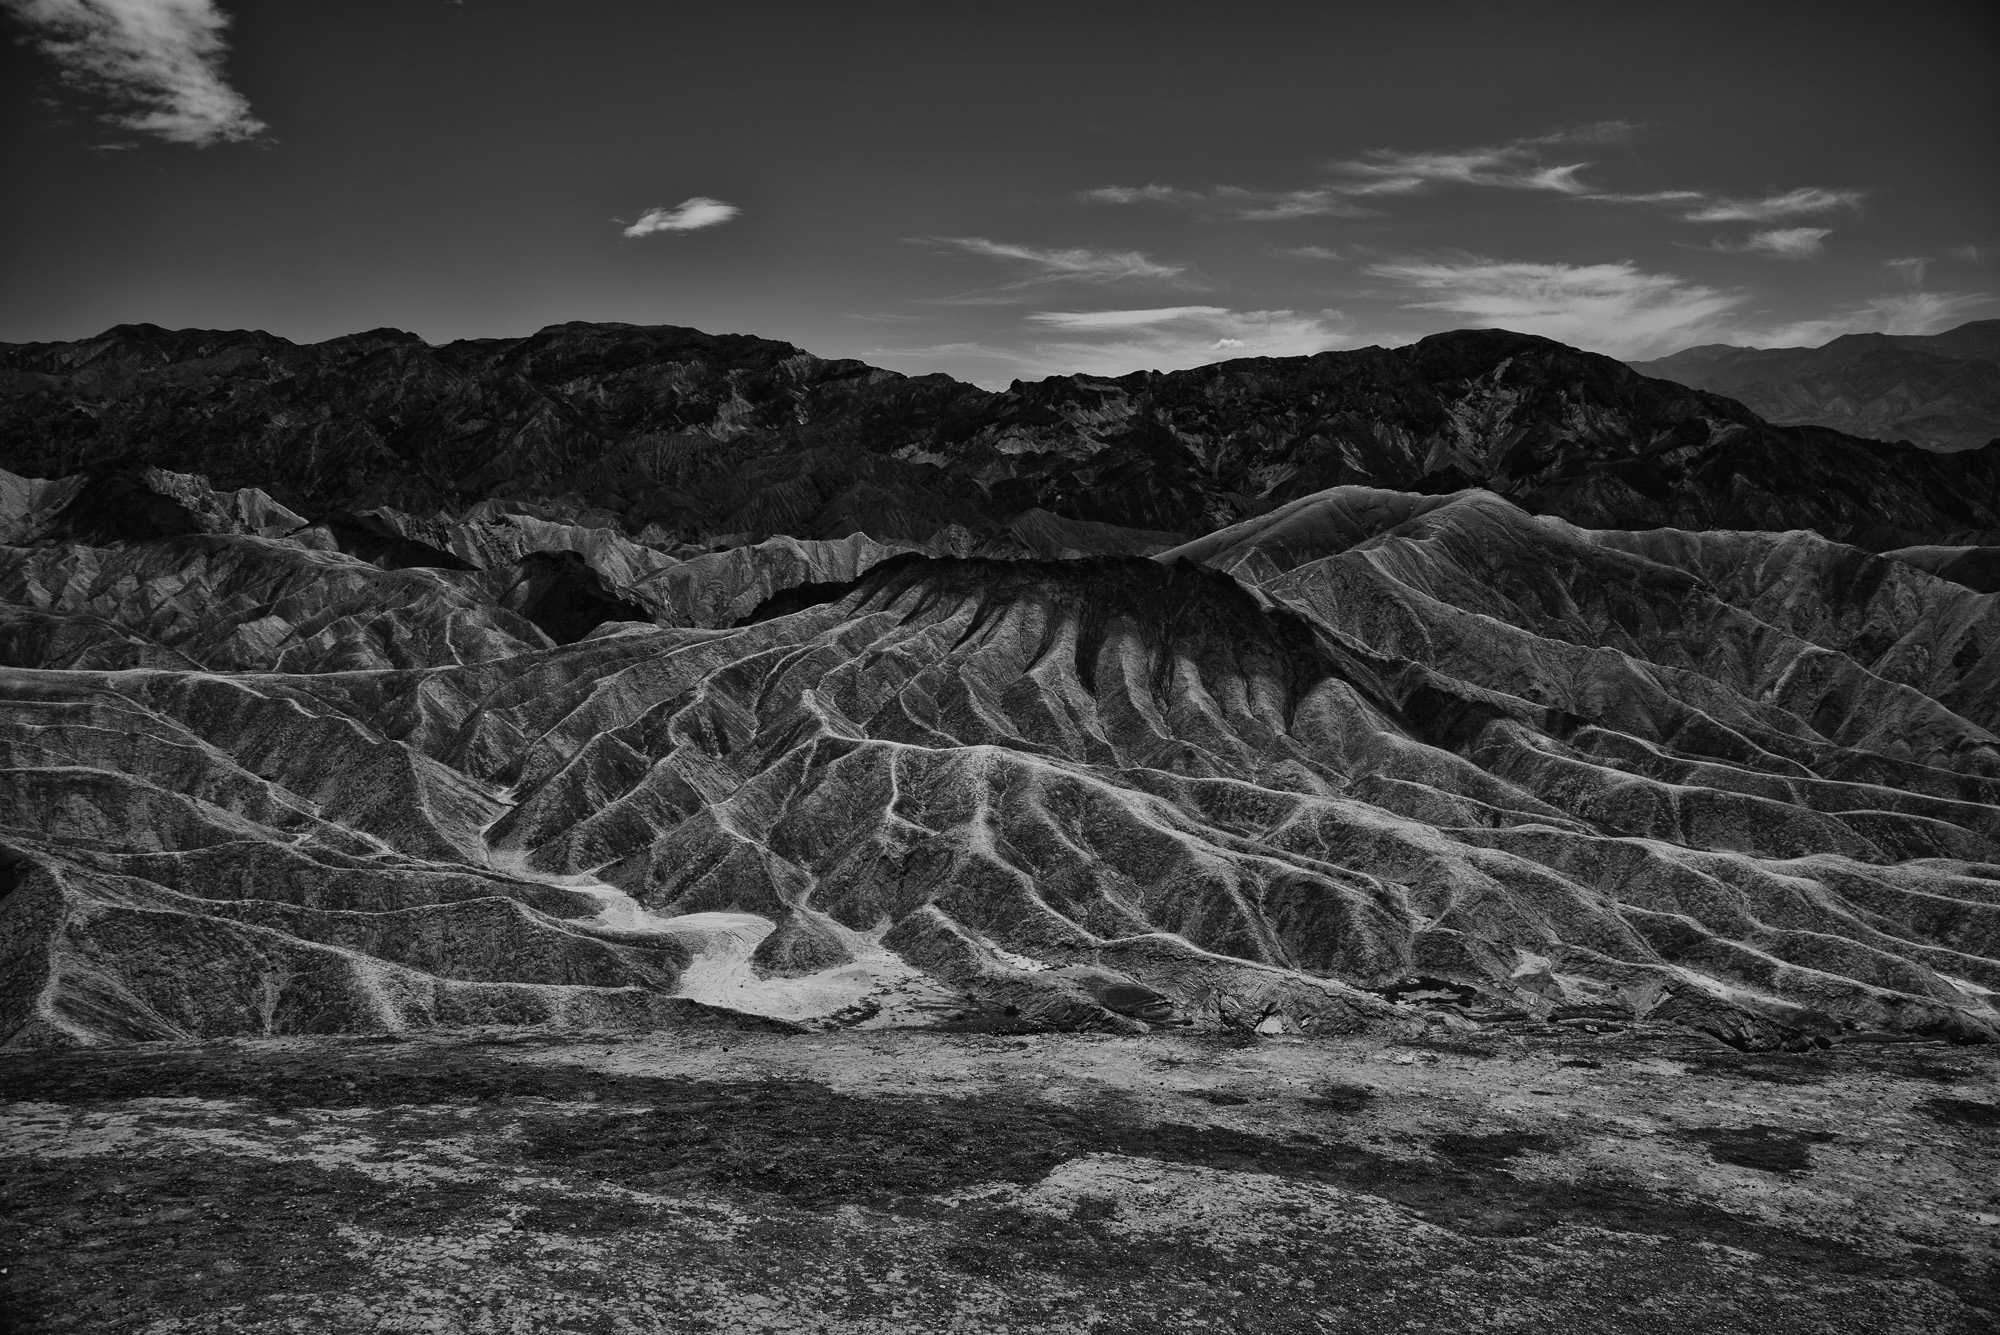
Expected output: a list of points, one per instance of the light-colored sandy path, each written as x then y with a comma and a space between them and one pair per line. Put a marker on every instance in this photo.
877, 989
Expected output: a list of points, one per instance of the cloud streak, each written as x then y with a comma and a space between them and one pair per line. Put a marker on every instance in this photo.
1245, 205
1701, 206
1043, 265
1363, 186
1516, 165
1803, 202
689, 215
1610, 308
1897, 313
1159, 315
1175, 337
1912, 268
1783, 243
157, 62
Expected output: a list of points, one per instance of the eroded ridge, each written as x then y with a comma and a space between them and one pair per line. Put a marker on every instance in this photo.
1745, 781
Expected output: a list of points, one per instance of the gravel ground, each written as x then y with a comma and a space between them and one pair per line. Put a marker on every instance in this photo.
1635, 1178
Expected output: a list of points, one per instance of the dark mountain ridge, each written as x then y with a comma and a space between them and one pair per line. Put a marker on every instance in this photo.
1254, 696
723, 439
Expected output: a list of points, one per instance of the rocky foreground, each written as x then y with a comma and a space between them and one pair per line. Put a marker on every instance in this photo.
1590, 1176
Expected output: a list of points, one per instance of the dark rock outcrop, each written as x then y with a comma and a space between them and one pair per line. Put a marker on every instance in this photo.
721, 440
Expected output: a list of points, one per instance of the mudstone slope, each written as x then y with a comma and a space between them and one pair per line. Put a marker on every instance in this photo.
289, 761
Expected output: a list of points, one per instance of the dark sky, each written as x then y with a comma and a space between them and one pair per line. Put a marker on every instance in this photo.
1003, 190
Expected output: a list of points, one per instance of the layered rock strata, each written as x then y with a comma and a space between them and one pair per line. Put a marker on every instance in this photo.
264, 776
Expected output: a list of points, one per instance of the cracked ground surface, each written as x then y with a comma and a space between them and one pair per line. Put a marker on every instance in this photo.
1522, 1177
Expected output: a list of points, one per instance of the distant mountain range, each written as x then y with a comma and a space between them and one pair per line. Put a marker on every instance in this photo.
719, 440
1938, 390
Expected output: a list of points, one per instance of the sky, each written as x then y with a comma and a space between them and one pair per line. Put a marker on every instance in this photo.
1004, 190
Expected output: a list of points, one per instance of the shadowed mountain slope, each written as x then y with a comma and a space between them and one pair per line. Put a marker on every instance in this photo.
1937, 390
714, 440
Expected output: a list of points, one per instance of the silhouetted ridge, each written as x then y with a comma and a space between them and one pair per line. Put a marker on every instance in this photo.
730, 437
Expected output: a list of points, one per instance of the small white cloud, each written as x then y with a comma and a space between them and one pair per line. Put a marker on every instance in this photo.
1971, 253
1079, 264
1307, 253
1611, 308
687, 216
1784, 243
158, 62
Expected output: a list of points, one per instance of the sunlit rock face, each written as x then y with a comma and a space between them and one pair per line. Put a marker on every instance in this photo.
1593, 706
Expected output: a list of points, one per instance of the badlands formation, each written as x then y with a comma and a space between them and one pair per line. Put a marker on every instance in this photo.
628, 831
635, 679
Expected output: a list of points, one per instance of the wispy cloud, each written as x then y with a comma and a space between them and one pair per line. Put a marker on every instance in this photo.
1803, 202
1126, 319
1042, 265
1784, 243
1306, 253
1519, 164
1911, 267
157, 62
687, 216
1610, 308
1897, 313
1271, 205
1174, 338
1239, 202
1138, 194
1971, 253
1702, 206
1514, 166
